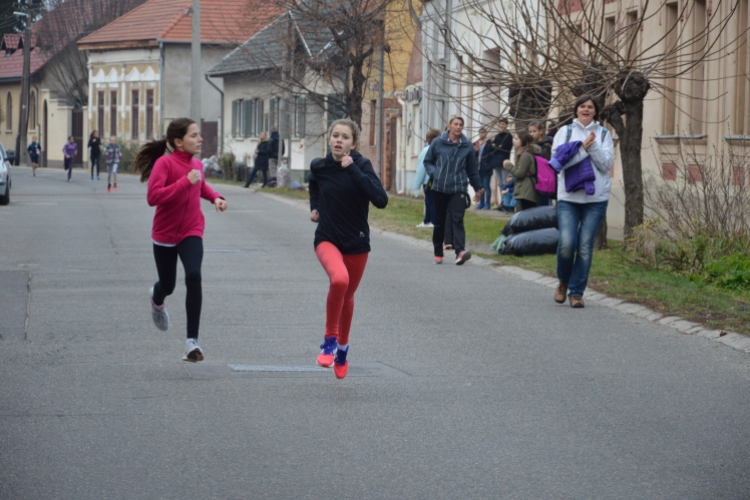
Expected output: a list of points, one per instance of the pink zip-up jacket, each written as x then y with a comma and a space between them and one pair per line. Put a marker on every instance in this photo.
178, 205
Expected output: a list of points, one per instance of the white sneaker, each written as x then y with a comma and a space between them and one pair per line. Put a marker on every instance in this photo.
159, 313
421, 224
193, 351
430, 224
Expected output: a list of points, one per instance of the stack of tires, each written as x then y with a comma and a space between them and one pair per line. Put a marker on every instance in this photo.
530, 232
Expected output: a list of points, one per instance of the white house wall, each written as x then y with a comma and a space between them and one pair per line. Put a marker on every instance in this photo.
302, 149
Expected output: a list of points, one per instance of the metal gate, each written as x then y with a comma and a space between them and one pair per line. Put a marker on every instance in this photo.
210, 133
78, 135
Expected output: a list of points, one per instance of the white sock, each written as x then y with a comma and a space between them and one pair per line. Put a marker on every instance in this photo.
343, 347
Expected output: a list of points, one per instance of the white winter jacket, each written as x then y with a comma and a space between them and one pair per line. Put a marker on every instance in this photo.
602, 156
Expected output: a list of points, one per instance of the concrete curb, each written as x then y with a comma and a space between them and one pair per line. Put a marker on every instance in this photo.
731, 339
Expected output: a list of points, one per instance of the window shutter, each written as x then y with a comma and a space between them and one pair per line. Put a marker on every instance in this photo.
247, 117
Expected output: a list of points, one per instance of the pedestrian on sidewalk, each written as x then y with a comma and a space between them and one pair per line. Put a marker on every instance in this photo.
452, 165
112, 155
422, 181
502, 144
35, 150
524, 171
580, 210
485, 152
95, 144
509, 201
69, 152
261, 158
342, 186
175, 187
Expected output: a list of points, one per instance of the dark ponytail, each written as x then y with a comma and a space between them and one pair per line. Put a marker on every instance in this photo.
152, 151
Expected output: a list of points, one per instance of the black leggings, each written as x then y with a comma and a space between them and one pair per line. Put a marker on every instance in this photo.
95, 162
190, 251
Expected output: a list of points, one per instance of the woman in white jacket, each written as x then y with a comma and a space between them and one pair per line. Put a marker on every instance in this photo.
580, 213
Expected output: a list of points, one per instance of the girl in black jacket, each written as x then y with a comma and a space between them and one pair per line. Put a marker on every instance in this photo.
342, 186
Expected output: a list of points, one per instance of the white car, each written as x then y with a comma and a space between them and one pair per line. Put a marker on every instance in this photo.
4, 177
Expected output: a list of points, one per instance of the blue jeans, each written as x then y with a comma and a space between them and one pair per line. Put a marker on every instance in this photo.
578, 223
486, 196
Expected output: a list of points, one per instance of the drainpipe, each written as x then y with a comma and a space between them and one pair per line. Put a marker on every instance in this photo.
403, 146
161, 87
221, 115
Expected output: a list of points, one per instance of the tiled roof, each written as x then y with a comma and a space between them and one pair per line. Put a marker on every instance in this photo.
12, 66
11, 57
268, 48
222, 21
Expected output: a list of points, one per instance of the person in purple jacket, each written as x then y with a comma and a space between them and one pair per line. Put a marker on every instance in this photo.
69, 150
583, 189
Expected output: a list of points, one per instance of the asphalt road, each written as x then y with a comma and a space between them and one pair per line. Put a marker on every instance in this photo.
464, 382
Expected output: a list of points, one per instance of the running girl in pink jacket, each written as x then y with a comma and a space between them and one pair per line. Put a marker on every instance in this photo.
175, 187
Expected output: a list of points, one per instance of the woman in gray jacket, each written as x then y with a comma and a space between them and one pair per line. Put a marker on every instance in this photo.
452, 165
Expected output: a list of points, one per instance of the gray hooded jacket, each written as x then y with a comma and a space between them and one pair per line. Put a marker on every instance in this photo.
452, 166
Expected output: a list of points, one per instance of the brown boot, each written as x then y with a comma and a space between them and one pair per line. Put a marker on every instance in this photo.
576, 302
562, 290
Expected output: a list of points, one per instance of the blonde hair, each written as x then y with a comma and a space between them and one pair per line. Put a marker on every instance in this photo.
352, 126
260, 137
455, 117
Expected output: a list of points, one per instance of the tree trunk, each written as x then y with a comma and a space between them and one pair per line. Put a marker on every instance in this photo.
601, 236
632, 89
632, 169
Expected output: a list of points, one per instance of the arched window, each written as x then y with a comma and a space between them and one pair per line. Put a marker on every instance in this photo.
9, 113
32, 112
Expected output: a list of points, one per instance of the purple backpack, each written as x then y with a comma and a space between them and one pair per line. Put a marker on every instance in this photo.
546, 178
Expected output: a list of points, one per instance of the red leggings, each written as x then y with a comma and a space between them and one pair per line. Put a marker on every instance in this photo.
345, 273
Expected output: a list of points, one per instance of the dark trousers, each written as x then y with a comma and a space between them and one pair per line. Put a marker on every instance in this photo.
68, 165
429, 206
522, 205
252, 176
190, 252
95, 162
456, 205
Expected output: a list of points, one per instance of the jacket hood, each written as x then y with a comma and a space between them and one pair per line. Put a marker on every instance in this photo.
533, 149
463, 141
274, 135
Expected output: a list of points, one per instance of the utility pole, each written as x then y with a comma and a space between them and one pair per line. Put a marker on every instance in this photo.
23, 118
195, 80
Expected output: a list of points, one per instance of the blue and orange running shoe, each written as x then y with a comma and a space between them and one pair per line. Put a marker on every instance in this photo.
340, 364
329, 346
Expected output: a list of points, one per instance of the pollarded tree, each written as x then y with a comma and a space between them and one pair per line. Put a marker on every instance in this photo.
592, 47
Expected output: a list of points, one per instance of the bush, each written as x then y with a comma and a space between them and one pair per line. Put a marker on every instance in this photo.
730, 272
129, 151
701, 217
232, 170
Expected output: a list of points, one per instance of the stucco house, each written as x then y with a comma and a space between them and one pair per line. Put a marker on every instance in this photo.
51, 117
140, 65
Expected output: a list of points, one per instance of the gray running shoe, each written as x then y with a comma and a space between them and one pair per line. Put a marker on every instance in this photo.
159, 313
193, 351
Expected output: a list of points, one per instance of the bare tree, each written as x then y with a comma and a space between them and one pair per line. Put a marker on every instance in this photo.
324, 49
66, 22
548, 52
